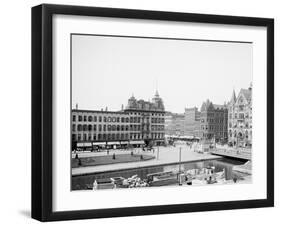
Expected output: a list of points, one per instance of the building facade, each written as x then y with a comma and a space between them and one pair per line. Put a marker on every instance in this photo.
213, 122
240, 119
192, 122
147, 120
142, 122
174, 124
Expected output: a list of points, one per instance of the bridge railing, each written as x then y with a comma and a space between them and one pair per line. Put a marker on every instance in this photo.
239, 152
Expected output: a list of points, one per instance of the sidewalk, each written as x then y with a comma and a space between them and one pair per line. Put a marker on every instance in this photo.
166, 156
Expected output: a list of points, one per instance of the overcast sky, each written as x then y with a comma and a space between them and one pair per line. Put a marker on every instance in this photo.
106, 71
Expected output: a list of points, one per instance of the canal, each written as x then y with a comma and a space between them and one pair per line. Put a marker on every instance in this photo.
84, 182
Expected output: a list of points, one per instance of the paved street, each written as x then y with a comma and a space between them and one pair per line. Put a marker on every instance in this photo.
167, 155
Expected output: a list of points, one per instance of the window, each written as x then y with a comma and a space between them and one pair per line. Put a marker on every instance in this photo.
79, 127
100, 119
85, 118
79, 137
95, 127
95, 118
117, 119
74, 118
90, 127
85, 127
100, 128
109, 127
109, 119
104, 127
104, 119
80, 118
122, 119
90, 118
73, 128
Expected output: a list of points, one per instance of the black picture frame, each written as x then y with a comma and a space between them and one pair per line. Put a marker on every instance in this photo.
42, 111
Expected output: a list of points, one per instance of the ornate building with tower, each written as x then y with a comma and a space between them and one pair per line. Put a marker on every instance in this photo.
240, 119
147, 119
141, 122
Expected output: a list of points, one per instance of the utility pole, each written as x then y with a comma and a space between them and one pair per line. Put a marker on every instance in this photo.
180, 160
157, 152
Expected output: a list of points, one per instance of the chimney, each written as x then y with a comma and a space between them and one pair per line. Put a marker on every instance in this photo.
122, 107
106, 109
76, 106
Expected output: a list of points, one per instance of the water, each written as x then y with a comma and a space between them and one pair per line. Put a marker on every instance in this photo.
85, 182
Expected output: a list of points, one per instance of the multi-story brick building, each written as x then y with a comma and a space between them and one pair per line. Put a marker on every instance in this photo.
213, 122
147, 119
142, 122
192, 122
240, 119
174, 124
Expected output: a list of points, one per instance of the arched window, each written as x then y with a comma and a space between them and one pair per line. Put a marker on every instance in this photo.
90, 118
90, 127
79, 127
85, 127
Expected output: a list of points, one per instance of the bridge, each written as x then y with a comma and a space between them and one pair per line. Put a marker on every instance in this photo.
239, 153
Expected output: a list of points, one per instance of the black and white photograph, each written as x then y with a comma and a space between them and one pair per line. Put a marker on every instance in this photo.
143, 112
152, 111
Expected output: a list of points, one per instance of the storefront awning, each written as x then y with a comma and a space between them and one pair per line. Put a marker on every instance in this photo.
113, 143
99, 143
124, 142
84, 144
137, 142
